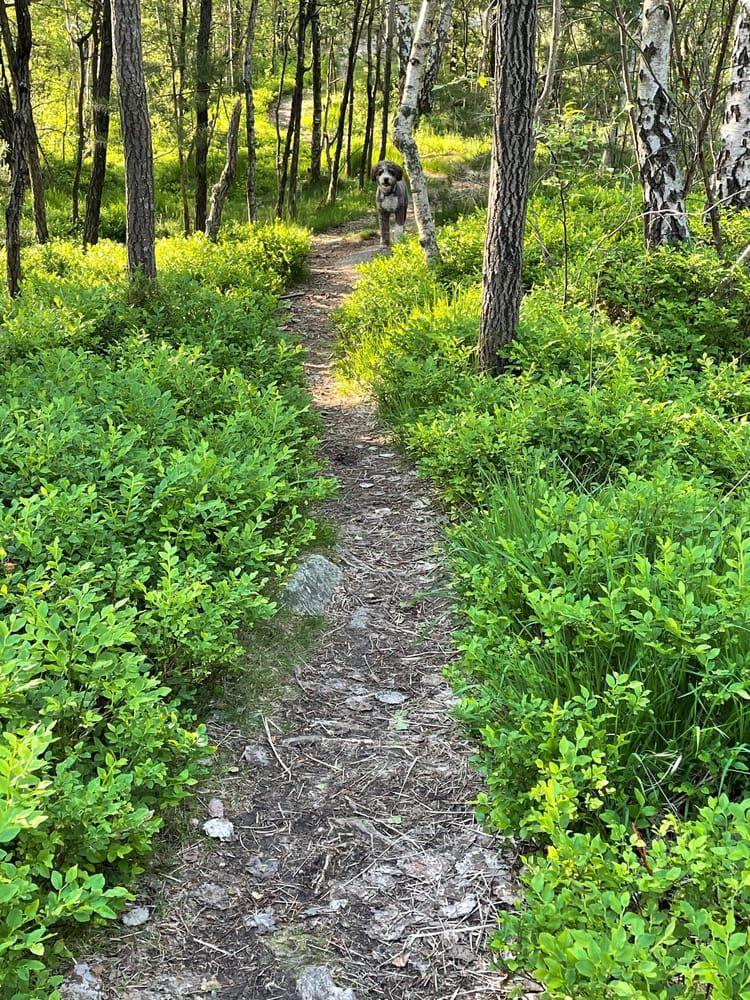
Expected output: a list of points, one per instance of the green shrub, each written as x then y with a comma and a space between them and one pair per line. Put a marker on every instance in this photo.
159, 463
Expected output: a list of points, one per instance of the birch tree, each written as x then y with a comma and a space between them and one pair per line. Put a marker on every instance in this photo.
664, 217
403, 128
220, 190
731, 182
248, 74
512, 150
432, 69
136, 138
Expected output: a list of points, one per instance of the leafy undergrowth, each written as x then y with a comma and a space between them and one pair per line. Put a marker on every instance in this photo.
158, 465
601, 560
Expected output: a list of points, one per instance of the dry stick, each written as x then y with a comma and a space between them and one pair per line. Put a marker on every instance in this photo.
274, 751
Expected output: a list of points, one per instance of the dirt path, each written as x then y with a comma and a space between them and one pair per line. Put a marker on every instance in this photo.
354, 845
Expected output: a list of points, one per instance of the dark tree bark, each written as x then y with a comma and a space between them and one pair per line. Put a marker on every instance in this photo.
374, 45
513, 144
432, 68
221, 188
177, 60
290, 158
101, 91
31, 157
316, 139
345, 98
136, 137
81, 43
19, 134
248, 64
202, 95
390, 30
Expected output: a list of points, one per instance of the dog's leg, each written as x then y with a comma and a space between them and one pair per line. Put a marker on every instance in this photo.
385, 229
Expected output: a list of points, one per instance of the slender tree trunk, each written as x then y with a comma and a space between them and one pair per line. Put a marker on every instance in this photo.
345, 98
403, 128
31, 157
81, 45
731, 181
177, 66
390, 31
18, 145
136, 137
248, 65
627, 63
435, 58
404, 36
221, 188
373, 83
316, 139
202, 95
299, 93
512, 150
102, 85
664, 215
552, 58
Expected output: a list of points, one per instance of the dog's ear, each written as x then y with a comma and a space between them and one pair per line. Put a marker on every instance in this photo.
398, 172
376, 171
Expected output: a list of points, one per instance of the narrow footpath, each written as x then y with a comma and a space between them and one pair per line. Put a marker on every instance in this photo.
355, 859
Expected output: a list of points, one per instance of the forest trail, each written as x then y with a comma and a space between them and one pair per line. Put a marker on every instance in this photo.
355, 847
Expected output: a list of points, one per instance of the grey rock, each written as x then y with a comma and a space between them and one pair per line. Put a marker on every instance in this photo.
359, 620
263, 868
211, 894
136, 917
219, 829
81, 984
391, 697
316, 983
216, 809
262, 921
461, 908
257, 755
310, 589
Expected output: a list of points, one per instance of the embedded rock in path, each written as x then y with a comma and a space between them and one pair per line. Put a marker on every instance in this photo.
82, 984
211, 894
316, 983
219, 829
310, 589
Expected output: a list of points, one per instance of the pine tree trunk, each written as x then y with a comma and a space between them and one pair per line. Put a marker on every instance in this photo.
299, 94
81, 45
316, 139
136, 138
432, 69
390, 31
18, 145
665, 221
373, 83
512, 151
403, 128
202, 95
345, 98
221, 188
731, 182
247, 80
102, 86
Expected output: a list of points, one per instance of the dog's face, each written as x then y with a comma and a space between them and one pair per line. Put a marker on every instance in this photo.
387, 175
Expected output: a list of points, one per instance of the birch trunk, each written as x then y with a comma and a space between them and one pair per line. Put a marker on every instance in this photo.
403, 128
221, 188
136, 138
404, 39
512, 150
731, 182
390, 31
316, 138
665, 221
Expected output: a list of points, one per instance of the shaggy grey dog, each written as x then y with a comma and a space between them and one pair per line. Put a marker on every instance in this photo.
391, 200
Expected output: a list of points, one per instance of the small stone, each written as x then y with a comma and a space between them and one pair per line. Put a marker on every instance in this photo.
455, 911
359, 620
316, 983
310, 589
262, 921
216, 809
211, 894
82, 984
263, 868
136, 917
219, 829
257, 756
391, 697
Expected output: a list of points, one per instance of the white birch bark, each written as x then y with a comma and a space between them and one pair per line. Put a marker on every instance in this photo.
665, 220
403, 127
432, 69
732, 172
403, 37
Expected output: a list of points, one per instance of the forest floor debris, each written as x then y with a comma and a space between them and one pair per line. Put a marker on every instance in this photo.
353, 850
